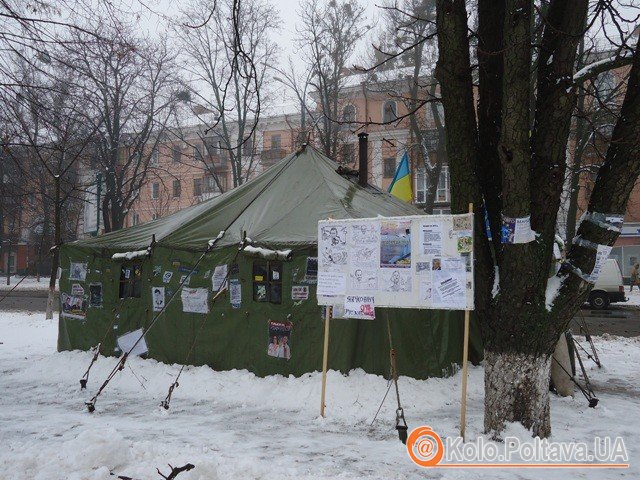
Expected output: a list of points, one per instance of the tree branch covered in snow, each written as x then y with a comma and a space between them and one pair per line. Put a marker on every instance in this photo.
594, 69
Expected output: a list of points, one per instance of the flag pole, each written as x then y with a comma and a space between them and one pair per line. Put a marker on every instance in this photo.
325, 357
465, 356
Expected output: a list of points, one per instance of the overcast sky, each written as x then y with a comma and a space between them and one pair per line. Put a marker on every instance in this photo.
155, 15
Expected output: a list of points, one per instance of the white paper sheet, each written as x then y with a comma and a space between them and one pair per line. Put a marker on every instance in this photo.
331, 283
431, 238
235, 293
194, 300
127, 341
601, 257
359, 306
449, 290
218, 278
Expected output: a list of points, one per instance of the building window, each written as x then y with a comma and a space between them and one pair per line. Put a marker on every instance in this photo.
349, 114
210, 184
276, 141
348, 153
154, 157
177, 188
442, 211
267, 281
197, 153
223, 159
155, 190
197, 186
176, 154
131, 280
211, 145
443, 191
389, 111
421, 185
442, 194
247, 147
389, 167
136, 219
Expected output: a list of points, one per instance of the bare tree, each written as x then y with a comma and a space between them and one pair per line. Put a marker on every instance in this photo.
131, 89
50, 138
327, 39
597, 109
227, 63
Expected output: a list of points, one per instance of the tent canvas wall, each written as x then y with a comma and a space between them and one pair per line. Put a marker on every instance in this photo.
277, 210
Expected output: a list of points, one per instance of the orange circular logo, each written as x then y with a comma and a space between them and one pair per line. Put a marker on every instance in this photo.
425, 447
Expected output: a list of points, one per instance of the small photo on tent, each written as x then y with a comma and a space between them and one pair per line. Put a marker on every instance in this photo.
73, 306
95, 295
78, 271
279, 339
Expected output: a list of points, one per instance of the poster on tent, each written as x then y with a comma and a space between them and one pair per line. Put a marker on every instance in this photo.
421, 261
78, 271
279, 345
157, 296
194, 300
73, 306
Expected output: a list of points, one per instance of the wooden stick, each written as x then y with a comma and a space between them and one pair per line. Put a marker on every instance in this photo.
325, 357
465, 356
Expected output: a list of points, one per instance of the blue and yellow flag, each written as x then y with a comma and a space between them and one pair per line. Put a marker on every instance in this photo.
401, 185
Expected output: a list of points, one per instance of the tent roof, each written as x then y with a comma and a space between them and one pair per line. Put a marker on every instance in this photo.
282, 206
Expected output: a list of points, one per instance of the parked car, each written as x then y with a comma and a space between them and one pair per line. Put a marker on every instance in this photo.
609, 288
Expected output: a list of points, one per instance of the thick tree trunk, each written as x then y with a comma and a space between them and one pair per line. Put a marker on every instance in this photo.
517, 390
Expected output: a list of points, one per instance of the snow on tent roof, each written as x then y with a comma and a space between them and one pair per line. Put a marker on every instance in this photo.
282, 206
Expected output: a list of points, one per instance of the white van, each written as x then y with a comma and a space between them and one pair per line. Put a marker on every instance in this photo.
609, 288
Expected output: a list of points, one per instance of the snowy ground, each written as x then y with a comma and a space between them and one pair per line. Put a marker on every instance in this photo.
233, 425
29, 283
633, 298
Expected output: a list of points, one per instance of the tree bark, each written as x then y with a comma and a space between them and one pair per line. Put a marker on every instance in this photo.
519, 327
517, 390
55, 261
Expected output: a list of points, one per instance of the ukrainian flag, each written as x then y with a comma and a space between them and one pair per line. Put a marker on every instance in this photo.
401, 185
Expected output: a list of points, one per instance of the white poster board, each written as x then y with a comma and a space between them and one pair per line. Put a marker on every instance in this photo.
422, 261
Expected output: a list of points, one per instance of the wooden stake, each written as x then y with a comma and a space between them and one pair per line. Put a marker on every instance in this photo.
325, 357
465, 356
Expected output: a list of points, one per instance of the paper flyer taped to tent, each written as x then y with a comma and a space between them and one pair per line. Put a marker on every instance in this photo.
235, 293
218, 279
127, 341
194, 300
421, 261
279, 345
157, 295
78, 271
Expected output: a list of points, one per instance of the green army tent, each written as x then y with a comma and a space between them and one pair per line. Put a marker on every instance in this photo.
110, 285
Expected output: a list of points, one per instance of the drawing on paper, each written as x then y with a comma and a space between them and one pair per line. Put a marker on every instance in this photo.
363, 279
364, 233
396, 280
